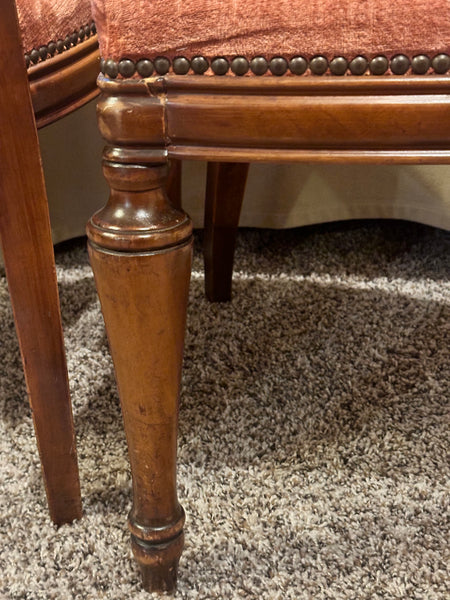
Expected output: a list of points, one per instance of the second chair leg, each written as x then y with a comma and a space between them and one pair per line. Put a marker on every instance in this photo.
30, 267
140, 250
225, 189
174, 183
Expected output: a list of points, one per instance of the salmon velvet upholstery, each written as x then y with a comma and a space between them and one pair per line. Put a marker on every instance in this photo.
249, 28
44, 21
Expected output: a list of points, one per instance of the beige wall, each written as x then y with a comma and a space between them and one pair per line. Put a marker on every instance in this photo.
277, 195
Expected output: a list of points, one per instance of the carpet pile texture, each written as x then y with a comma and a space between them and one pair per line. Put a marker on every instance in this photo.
314, 429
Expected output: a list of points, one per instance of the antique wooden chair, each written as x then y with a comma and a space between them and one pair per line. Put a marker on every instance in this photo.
61, 53
230, 82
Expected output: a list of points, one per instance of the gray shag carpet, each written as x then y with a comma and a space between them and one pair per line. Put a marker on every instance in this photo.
314, 429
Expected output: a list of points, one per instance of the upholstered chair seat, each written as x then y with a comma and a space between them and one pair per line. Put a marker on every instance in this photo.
49, 28
60, 46
284, 37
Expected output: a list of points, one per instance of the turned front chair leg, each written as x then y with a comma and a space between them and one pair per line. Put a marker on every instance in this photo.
140, 250
225, 187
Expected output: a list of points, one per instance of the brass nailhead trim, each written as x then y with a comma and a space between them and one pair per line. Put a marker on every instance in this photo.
199, 65
239, 65
358, 65
420, 64
42, 53
162, 65
111, 68
318, 65
127, 67
298, 65
259, 65
219, 66
181, 65
339, 65
441, 63
278, 66
144, 67
400, 64
379, 65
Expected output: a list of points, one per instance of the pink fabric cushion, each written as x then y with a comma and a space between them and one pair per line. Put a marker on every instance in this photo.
43, 21
229, 28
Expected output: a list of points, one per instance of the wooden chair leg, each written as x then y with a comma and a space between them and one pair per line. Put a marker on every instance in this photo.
30, 269
225, 189
140, 249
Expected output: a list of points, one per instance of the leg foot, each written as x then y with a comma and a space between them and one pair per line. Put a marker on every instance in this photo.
158, 562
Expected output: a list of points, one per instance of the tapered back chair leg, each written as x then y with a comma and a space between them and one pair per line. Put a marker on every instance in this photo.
30, 269
225, 187
174, 183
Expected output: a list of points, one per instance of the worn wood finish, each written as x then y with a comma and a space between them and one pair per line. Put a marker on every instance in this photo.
140, 249
332, 119
304, 115
131, 114
225, 187
29, 262
64, 82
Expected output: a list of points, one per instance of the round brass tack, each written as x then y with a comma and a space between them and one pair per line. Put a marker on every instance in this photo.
43, 52
358, 65
93, 28
102, 66
181, 65
27, 60
219, 66
420, 64
51, 48
400, 64
258, 65
199, 65
59, 46
111, 68
87, 30
278, 65
162, 65
379, 65
239, 65
81, 34
35, 56
67, 42
144, 67
318, 65
74, 38
126, 67
441, 63
339, 65
298, 65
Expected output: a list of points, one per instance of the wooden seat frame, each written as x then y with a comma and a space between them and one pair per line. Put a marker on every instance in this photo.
140, 245
56, 87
